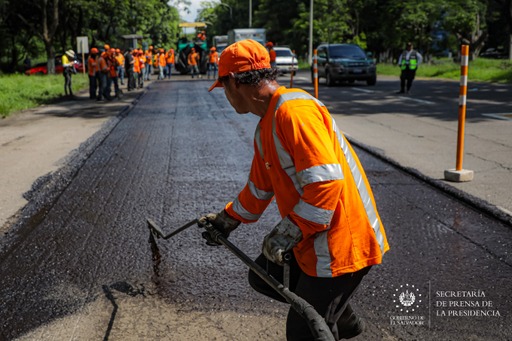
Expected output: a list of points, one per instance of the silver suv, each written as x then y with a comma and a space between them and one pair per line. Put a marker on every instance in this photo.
345, 62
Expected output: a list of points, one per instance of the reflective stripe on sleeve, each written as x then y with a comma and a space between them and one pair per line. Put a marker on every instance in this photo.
312, 213
320, 173
257, 139
242, 212
361, 187
258, 193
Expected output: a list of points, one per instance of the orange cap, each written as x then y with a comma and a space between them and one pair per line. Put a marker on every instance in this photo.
245, 55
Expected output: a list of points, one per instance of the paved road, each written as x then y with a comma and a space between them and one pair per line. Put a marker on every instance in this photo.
82, 269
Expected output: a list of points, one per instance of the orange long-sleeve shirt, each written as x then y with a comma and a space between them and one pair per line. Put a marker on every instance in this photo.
303, 161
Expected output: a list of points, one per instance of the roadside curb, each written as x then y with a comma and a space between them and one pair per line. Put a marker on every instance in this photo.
466, 198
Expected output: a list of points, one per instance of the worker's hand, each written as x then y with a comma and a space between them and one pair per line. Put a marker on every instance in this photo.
221, 221
281, 240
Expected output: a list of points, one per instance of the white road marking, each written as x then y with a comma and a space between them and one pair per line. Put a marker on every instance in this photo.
503, 116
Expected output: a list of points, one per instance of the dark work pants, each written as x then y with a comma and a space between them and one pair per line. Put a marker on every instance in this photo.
406, 76
329, 296
92, 86
67, 82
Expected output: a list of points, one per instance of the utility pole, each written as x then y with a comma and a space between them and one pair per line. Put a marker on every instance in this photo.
250, 13
310, 50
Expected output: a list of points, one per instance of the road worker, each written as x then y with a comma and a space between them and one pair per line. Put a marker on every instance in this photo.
213, 59
192, 60
93, 70
103, 76
272, 53
129, 67
68, 62
330, 226
149, 63
161, 63
136, 66
112, 74
142, 67
120, 65
169, 60
408, 62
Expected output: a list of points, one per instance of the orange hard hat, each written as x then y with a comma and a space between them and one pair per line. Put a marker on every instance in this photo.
118, 50
213, 49
94, 51
112, 50
106, 46
269, 44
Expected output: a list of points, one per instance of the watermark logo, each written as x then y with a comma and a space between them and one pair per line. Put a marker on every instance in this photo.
408, 300
407, 295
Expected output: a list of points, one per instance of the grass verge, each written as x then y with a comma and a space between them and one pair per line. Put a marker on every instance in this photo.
19, 92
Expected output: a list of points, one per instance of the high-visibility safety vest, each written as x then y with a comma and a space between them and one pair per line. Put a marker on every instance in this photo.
169, 57
92, 66
412, 62
305, 162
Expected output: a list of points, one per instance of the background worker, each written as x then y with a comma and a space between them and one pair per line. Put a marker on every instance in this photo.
169, 60
408, 62
192, 60
329, 220
120, 65
213, 59
142, 68
104, 71
161, 63
68, 62
129, 62
149, 63
92, 70
112, 74
271, 53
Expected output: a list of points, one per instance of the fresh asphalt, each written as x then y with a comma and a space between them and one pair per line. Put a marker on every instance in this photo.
72, 262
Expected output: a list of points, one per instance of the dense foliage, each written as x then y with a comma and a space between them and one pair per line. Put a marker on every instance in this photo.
41, 29
436, 27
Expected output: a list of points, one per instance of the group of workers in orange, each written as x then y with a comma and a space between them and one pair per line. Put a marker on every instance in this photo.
111, 67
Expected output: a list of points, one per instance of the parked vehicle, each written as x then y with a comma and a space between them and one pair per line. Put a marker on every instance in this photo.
286, 61
42, 68
345, 63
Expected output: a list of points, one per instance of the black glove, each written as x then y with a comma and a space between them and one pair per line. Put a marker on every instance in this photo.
221, 221
281, 240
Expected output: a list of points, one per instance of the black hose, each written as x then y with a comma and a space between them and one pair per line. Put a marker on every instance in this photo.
316, 323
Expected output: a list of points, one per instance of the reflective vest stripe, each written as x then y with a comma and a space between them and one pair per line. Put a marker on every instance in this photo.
241, 211
320, 173
258, 193
312, 213
284, 158
323, 256
361, 187
413, 60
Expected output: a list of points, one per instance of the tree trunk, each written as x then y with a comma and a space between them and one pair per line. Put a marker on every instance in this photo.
50, 25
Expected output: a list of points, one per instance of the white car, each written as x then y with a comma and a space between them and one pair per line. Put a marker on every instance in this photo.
286, 61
